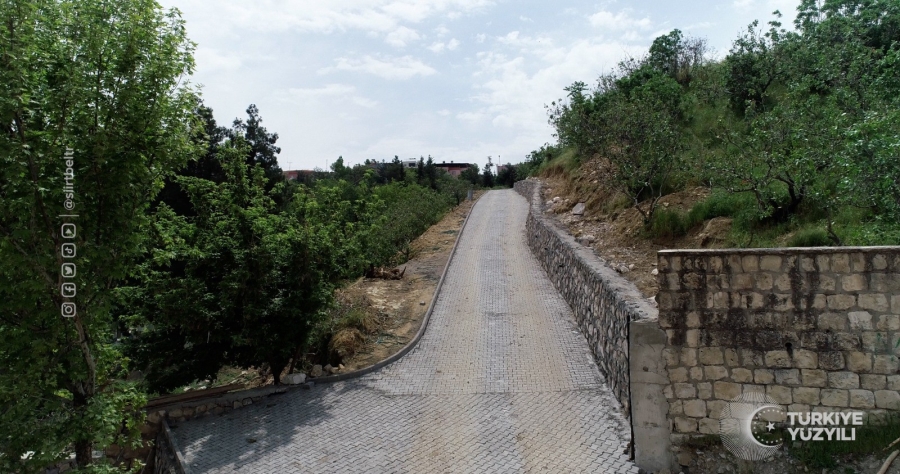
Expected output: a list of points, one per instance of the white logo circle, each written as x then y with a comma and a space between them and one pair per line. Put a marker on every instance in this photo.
749, 426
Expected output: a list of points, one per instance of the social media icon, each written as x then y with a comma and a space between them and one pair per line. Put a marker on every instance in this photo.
67, 290
68, 270
68, 231
67, 310
68, 250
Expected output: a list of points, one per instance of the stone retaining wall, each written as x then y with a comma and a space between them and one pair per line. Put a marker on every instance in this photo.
815, 329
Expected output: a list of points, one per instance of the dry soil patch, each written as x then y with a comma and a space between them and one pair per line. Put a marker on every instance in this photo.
403, 303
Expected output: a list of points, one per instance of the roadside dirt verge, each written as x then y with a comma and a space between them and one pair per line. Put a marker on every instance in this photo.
401, 304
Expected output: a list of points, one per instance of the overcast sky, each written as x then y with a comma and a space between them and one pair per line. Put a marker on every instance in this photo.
460, 80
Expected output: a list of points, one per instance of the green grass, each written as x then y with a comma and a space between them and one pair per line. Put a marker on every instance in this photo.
672, 223
810, 237
668, 224
564, 164
857, 226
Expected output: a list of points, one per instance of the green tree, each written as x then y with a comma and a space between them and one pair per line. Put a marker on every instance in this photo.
431, 173
340, 171
262, 149
787, 156
641, 143
507, 175
107, 80
420, 171
756, 61
677, 56
209, 136
259, 277
470, 174
487, 177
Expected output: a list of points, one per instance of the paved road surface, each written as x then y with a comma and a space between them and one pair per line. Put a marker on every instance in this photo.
502, 381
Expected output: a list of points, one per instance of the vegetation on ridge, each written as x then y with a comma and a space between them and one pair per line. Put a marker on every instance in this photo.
802, 123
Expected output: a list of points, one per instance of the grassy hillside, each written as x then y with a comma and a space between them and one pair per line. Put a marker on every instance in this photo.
795, 133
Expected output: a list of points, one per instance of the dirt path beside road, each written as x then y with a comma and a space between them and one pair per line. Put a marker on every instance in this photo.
402, 303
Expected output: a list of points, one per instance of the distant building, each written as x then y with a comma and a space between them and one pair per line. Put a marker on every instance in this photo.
454, 169
410, 163
294, 174
500, 169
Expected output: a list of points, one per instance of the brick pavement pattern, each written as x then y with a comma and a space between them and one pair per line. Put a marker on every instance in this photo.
501, 381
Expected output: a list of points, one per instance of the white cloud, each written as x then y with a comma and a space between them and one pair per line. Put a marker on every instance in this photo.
472, 117
525, 43
363, 102
618, 21
743, 5
439, 46
317, 16
480, 37
441, 31
212, 60
443, 112
402, 68
525, 18
331, 92
328, 90
401, 37
699, 26
513, 89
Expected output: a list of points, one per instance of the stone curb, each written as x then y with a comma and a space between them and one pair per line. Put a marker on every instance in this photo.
415, 340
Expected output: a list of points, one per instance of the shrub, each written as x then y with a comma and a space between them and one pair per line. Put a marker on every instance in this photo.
668, 224
814, 237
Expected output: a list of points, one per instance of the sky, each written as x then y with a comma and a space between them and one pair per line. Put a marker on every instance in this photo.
459, 80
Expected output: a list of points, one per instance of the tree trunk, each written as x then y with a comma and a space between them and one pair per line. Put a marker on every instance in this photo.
83, 447
296, 358
277, 368
83, 453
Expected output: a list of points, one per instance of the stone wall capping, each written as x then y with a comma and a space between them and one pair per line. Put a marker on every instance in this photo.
783, 251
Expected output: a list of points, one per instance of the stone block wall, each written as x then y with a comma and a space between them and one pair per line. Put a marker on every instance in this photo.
814, 328
604, 303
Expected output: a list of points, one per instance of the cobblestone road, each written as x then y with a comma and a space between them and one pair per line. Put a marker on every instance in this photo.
502, 381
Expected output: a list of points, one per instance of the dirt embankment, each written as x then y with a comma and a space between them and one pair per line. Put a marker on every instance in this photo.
614, 228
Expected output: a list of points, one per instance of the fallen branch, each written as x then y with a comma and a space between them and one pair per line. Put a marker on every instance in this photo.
386, 274
887, 462
892, 444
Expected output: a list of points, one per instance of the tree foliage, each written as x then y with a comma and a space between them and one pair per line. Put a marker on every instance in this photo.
259, 278
803, 121
105, 79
